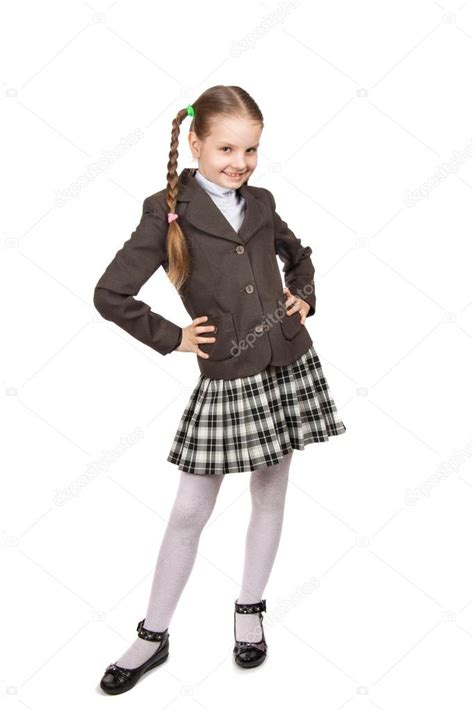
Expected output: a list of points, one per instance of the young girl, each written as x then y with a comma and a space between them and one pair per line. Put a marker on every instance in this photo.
261, 392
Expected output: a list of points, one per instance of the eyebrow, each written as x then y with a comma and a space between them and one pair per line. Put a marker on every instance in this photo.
226, 143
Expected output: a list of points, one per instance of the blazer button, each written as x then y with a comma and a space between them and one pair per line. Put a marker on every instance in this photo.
249, 288
239, 249
258, 328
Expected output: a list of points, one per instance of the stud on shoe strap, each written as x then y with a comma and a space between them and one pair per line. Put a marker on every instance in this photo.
255, 607
148, 634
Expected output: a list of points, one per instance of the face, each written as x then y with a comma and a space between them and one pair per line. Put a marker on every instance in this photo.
228, 156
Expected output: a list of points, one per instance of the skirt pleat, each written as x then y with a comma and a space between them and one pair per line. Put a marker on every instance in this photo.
242, 424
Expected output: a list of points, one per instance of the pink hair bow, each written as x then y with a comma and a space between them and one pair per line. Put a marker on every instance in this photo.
172, 216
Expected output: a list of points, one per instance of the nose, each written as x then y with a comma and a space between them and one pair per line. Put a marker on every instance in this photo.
241, 165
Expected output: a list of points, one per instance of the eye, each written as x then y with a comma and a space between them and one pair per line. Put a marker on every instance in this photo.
250, 149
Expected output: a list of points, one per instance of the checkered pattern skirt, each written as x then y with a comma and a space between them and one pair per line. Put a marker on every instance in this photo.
241, 424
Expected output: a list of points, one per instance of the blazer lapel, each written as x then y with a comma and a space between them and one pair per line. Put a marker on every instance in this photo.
204, 214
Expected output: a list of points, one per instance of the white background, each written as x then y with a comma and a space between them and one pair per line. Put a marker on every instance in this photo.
366, 148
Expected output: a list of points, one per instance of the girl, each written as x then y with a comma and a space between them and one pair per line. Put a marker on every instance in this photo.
261, 392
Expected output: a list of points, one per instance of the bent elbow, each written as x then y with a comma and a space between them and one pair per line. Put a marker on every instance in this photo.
101, 300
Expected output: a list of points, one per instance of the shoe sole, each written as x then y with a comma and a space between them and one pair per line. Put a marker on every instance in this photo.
114, 692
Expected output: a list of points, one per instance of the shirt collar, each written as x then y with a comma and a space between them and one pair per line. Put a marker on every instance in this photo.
212, 187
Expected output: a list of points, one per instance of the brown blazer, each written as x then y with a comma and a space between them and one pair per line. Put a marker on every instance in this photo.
235, 280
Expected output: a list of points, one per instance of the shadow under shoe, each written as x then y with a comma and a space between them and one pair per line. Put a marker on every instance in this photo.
118, 679
250, 654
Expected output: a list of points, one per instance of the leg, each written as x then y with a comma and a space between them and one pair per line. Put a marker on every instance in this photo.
194, 503
268, 486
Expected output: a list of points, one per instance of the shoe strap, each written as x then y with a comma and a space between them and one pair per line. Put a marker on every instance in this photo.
148, 634
248, 646
248, 609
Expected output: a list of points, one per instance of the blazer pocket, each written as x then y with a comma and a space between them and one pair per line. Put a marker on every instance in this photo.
226, 336
290, 325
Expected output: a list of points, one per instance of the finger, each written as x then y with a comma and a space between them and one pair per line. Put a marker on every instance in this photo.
205, 329
202, 339
199, 319
201, 353
296, 307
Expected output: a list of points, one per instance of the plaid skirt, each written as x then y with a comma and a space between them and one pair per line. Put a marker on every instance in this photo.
242, 424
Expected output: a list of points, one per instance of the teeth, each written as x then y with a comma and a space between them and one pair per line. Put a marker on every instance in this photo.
234, 175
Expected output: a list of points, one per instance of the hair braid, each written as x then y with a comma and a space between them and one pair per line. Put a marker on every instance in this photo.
178, 256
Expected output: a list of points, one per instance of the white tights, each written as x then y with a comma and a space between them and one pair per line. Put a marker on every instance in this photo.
192, 508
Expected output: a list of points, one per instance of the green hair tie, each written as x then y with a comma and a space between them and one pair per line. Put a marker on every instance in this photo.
190, 110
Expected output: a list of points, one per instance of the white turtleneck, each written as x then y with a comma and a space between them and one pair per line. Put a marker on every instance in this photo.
231, 203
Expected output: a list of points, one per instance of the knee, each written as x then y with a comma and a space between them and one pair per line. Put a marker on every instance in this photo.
192, 515
268, 502
268, 497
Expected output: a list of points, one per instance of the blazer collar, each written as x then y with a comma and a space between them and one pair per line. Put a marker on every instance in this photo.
204, 214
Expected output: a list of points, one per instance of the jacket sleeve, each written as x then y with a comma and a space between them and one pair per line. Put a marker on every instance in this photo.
141, 255
298, 268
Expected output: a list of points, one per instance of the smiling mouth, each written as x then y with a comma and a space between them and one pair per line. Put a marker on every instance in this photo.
234, 175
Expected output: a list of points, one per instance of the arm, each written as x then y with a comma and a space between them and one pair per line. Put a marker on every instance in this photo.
298, 268
141, 255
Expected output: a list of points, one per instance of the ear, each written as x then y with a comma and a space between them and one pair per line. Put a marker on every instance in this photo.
194, 143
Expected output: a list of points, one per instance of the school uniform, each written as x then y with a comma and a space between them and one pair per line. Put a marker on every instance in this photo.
262, 391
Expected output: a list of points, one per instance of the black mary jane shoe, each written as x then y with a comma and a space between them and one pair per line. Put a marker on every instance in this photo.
250, 654
117, 679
